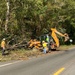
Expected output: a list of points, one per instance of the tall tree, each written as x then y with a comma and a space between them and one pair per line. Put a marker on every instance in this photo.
7, 16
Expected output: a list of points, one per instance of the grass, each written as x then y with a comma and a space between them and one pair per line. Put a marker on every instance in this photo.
25, 54
20, 55
65, 47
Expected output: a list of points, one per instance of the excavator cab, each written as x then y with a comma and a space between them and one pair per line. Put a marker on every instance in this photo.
50, 41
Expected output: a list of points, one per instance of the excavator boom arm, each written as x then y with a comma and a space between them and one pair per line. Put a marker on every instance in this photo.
54, 31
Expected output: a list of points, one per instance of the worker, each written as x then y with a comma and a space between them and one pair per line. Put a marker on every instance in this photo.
45, 47
3, 46
48, 41
47, 38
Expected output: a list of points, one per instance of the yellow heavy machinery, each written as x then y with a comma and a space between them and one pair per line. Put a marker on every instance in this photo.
56, 39
52, 40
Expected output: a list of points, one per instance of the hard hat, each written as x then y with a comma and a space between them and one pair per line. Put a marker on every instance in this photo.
43, 41
3, 38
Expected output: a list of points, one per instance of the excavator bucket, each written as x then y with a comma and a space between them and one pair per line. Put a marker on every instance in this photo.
66, 37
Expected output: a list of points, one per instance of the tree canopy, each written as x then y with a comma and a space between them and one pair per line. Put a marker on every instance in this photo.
35, 17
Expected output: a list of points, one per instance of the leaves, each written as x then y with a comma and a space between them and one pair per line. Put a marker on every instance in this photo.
32, 17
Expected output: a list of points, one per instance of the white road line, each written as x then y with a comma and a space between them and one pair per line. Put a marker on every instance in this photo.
10, 63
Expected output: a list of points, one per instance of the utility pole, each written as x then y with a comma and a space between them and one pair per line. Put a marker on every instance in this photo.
7, 15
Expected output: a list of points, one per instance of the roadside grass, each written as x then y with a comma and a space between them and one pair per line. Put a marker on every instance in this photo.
26, 54
65, 47
19, 55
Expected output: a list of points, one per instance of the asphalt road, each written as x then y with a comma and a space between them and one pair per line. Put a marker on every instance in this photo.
56, 63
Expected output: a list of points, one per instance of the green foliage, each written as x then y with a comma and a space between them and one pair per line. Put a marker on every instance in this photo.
34, 17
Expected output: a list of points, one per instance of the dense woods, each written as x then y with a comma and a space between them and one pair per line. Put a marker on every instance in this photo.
22, 19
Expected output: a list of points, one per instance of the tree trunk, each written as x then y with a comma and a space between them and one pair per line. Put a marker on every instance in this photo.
7, 16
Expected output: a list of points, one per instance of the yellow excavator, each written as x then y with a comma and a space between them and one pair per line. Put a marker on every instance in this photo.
52, 40
55, 38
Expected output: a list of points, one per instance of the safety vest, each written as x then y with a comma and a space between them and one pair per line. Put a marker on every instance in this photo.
3, 44
44, 44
